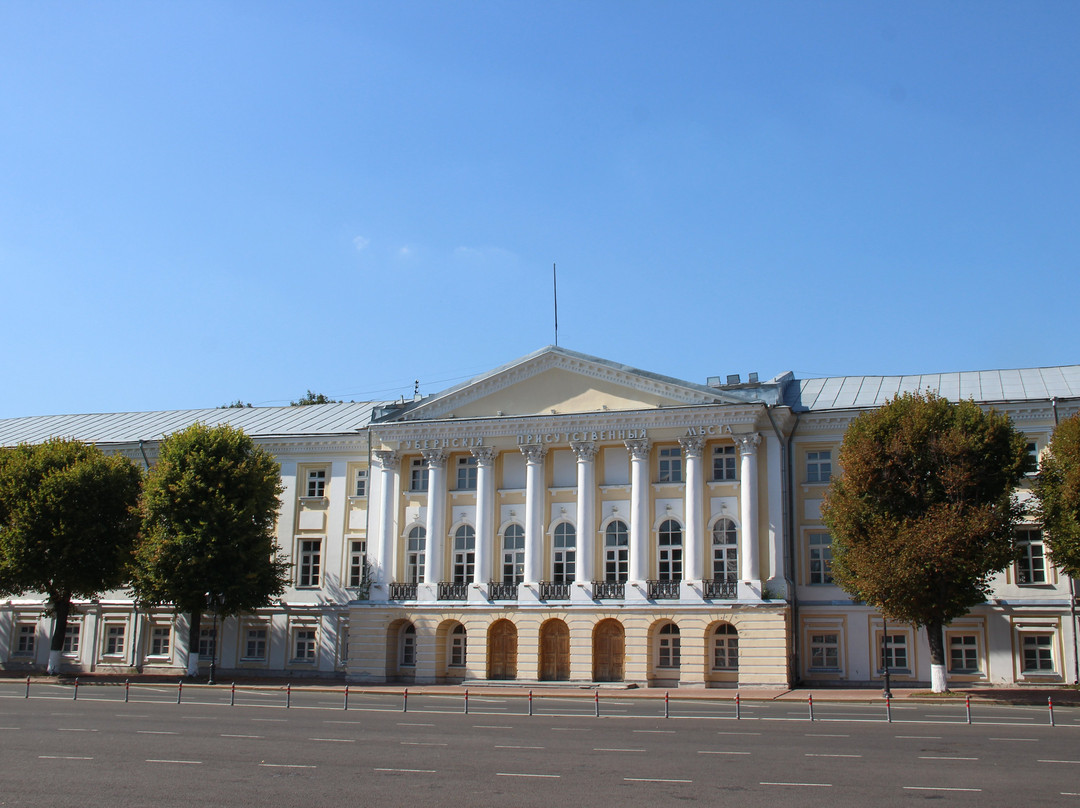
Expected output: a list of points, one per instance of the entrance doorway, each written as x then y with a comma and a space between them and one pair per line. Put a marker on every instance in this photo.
609, 641
554, 651
502, 650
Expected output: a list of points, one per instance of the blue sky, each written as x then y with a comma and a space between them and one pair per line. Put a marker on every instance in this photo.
204, 202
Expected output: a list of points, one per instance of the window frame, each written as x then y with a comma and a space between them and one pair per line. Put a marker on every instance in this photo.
818, 466
25, 641
114, 636
466, 477
669, 465
464, 555
563, 553
617, 552
360, 483
305, 648
513, 558
263, 642
358, 571
457, 648
974, 649
669, 554
725, 648
725, 467
725, 553
1050, 656
819, 558
669, 647
309, 566
158, 649
418, 476
1031, 564
823, 644
315, 483
407, 646
415, 554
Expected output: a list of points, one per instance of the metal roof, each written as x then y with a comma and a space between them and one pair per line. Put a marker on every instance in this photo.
984, 386
131, 427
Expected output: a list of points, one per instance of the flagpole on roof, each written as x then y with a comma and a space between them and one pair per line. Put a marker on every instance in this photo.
555, 287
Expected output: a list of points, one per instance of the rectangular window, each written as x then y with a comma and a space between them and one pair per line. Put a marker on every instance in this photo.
963, 653
820, 558
466, 474
26, 640
357, 563
1038, 653
343, 641
160, 641
114, 640
316, 483
418, 475
255, 643
670, 465
1033, 457
723, 463
818, 466
304, 645
457, 648
207, 642
825, 652
1031, 565
310, 562
360, 483
894, 653
71, 639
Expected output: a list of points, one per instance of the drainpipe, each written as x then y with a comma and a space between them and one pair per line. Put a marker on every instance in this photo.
787, 497
143, 452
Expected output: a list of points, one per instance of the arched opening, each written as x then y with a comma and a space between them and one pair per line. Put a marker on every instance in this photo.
502, 650
609, 646
554, 651
401, 651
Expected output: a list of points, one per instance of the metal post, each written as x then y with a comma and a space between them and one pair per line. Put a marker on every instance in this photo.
967, 705
888, 708
667, 710
1050, 704
346, 707
288, 695
738, 706
530, 702
405, 701
75, 694
232, 695
27, 687
885, 655
466, 701
810, 702
179, 690
596, 703
127, 689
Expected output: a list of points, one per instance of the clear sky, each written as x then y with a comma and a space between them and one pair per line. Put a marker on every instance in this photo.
204, 202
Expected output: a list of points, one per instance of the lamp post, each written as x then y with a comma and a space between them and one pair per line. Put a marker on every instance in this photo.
213, 602
887, 692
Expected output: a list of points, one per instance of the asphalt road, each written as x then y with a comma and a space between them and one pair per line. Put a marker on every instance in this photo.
99, 750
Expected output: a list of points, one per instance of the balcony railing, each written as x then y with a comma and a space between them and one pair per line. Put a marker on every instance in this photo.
498, 590
720, 590
609, 590
402, 591
664, 590
549, 590
453, 591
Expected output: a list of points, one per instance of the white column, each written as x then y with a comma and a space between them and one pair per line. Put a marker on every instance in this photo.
748, 505
777, 569
383, 562
436, 516
485, 512
534, 513
639, 509
695, 518
586, 511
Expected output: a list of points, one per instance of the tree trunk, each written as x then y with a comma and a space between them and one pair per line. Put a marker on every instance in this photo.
61, 605
194, 626
935, 635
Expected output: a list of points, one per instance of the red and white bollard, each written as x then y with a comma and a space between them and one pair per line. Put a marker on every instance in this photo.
179, 690
405, 701
530, 702
1050, 704
738, 706
810, 703
667, 709
596, 703
466, 701
75, 693
967, 706
232, 695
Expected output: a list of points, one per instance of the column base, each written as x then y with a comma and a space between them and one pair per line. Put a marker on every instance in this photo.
529, 594
636, 592
478, 594
581, 592
427, 593
379, 593
691, 591
749, 590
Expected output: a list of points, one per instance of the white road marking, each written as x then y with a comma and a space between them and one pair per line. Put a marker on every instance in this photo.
822, 735
185, 762
711, 752
63, 757
286, 766
75, 729
819, 754
402, 724
270, 719
920, 737
653, 780
938, 788
656, 731
944, 757
519, 747
408, 771
155, 732
564, 729
223, 735
518, 774
602, 749
738, 733
8, 727
334, 740
487, 726
344, 722
1013, 739
1059, 761
128, 715
421, 743
800, 785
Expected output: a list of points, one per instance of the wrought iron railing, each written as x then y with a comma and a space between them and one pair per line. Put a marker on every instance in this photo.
720, 590
664, 590
402, 591
609, 590
453, 591
549, 590
499, 590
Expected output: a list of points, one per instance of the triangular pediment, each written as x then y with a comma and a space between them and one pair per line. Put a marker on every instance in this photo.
563, 381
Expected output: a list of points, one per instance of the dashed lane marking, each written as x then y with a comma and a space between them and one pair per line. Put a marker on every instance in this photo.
408, 771
334, 740
287, 765
799, 785
654, 780
181, 762
155, 732
945, 757
224, 735
519, 747
715, 752
938, 788
520, 774
63, 757
603, 749
821, 754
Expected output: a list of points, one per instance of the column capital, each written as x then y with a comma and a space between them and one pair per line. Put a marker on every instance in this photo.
435, 458
388, 459
747, 443
485, 455
585, 450
692, 447
534, 453
639, 449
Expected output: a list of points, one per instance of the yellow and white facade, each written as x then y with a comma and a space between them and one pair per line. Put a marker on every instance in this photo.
565, 518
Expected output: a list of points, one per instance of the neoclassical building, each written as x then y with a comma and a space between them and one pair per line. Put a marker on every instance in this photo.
567, 518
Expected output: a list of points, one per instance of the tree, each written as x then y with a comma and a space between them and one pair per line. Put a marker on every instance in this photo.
68, 523
312, 398
236, 405
208, 513
922, 513
1058, 491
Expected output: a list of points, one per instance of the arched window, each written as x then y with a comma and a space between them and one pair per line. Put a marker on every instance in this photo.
414, 555
725, 543
564, 555
616, 551
408, 646
726, 648
670, 555
668, 651
513, 562
457, 647
464, 554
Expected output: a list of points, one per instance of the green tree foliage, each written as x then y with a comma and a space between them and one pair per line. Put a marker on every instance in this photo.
1058, 490
312, 398
922, 513
236, 405
208, 513
68, 523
